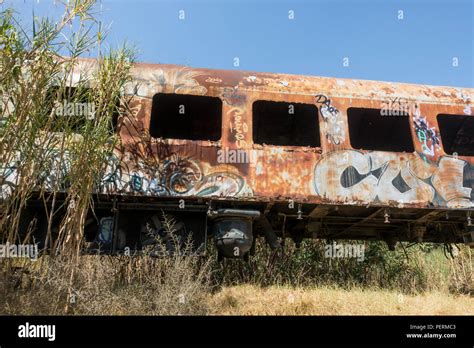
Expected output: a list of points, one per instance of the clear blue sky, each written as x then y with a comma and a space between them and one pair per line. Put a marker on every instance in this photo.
416, 49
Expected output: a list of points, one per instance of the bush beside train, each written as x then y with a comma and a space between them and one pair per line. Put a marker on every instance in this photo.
233, 155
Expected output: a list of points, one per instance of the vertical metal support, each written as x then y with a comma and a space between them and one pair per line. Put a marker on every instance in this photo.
300, 212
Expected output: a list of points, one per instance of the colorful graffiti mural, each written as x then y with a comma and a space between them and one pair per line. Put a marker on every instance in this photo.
333, 125
166, 81
173, 176
344, 175
428, 136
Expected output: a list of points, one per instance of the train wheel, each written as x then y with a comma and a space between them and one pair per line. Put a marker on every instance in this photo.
158, 241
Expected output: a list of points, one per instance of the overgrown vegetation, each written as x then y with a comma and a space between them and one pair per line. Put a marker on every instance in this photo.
36, 68
413, 269
179, 284
36, 81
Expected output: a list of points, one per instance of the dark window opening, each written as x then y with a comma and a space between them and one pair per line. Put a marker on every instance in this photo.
285, 124
457, 134
370, 130
182, 116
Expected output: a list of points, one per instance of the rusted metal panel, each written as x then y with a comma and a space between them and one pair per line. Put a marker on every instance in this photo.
167, 167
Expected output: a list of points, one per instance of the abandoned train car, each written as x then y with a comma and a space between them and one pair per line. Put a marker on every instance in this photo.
233, 155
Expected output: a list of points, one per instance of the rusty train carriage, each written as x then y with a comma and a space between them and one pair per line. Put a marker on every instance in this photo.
332, 190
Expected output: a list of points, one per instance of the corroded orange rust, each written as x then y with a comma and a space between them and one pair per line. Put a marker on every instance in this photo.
191, 168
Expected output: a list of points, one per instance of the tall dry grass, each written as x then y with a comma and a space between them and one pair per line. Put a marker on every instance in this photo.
106, 285
268, 284
50, 155
171, 284
63, 280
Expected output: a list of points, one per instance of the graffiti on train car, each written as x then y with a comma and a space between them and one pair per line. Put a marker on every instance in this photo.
166, 81
350, 175
231, 96
344, 175
172, 177
213, 80
397, 107
333, 125
427, 135
238, 126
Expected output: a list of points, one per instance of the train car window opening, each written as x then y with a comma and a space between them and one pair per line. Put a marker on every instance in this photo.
285, 124
72, 107
184, 116
370, 130
457, 134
